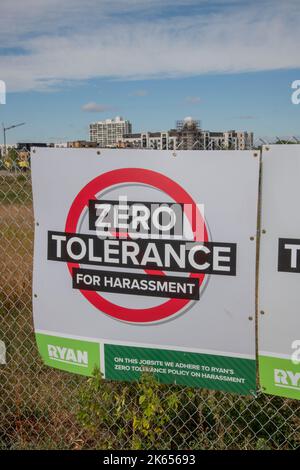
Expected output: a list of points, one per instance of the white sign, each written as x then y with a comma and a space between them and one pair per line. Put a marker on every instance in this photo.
146, 261
279, 273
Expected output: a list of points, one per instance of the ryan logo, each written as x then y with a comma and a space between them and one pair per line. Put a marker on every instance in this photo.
68, 355
286, 379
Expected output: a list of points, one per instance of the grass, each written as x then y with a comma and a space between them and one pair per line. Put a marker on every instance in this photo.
15, 188
40, 407
37, 404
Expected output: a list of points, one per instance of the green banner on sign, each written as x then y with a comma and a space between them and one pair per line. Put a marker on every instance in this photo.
184, 368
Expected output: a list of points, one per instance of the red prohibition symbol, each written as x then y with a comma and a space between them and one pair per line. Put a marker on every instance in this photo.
155, 180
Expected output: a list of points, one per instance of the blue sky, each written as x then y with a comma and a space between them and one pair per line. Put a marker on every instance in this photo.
228, 63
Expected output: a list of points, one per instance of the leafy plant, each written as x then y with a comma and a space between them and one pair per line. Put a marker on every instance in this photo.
149, 415
135, 415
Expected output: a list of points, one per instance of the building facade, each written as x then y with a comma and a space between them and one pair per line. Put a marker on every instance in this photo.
188, 135
153, 140
109, 132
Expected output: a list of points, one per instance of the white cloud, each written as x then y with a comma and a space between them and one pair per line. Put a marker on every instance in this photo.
56, 42
93, 107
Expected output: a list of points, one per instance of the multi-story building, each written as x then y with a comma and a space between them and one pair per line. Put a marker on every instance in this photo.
188, 135
154, 140
109, 132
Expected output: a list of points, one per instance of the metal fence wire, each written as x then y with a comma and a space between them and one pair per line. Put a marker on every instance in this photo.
42, 408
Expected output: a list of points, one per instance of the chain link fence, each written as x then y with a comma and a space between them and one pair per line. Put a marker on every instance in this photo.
41, 408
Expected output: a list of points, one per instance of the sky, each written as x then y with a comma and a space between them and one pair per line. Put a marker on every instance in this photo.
228, 63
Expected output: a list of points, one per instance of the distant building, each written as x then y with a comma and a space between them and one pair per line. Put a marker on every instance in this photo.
28, 145
76, 144
154, 140
60, 145
188, 135
109, 132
